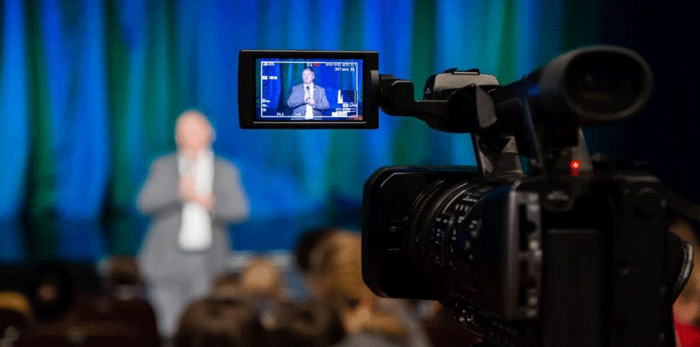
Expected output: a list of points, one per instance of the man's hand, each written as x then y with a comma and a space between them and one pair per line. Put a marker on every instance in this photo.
187, 192
310, 101
207, 201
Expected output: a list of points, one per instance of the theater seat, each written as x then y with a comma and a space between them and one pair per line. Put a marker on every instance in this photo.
219, 323
97, 321
134, 312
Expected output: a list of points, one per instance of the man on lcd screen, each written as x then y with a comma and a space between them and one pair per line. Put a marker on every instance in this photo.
307, 100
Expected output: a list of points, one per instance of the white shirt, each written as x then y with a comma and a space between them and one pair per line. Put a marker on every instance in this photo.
195, 228
309, 94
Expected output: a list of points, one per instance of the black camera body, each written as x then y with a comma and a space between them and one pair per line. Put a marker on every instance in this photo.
538, 245
525, 260
574, 253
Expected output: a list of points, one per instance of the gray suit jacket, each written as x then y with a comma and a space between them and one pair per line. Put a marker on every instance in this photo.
297, 104
160, 258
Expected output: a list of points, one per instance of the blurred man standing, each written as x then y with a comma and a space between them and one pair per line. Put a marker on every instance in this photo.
191, 196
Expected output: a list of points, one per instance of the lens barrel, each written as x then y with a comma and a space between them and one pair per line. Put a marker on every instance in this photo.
443, 232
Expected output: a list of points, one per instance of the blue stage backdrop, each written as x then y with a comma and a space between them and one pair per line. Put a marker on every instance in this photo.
90, 89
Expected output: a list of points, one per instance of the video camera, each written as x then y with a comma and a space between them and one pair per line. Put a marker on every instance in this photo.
573, 251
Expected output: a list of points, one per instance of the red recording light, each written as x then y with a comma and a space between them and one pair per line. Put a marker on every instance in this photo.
575, 165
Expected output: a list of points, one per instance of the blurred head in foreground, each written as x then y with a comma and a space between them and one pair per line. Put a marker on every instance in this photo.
218, 323
336, 269
330, 260
307, 243
262, 279
123, 278
52, 293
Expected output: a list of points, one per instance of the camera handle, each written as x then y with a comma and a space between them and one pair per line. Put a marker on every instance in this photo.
464, 108
396, 99
469, 109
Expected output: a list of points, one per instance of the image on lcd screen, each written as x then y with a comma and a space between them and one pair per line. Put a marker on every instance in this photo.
309, 90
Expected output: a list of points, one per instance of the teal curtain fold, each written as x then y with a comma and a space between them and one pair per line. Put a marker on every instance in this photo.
14, 109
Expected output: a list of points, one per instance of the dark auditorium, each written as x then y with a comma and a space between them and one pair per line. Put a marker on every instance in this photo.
348, 173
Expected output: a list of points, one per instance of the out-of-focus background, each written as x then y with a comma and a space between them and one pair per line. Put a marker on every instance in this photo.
89, 91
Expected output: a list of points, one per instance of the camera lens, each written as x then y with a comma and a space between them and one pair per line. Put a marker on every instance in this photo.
444, 230
606, 85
